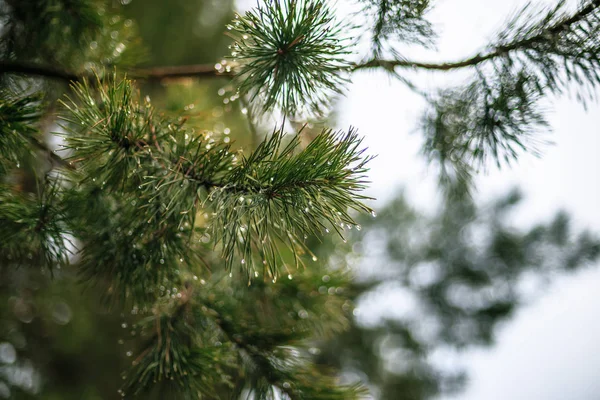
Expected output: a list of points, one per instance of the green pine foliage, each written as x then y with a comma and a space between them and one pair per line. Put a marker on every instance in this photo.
498, 114
207, 248
291, 54
19, 115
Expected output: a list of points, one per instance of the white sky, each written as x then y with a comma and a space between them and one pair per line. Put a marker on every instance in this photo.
550, 350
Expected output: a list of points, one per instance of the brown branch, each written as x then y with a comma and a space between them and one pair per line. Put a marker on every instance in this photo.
173, 72
26, 68
498, 51
156, 73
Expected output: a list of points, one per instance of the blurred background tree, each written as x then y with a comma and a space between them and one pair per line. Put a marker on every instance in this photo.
458, 272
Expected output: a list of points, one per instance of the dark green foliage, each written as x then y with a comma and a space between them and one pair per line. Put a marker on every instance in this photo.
96, 33
129, 258
484, 121
546, 41
399, 21
497, 115
174, 356
291, 55
18, 116
107, 132
223, 335
34, 231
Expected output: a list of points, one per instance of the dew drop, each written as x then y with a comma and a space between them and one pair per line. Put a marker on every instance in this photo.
373, 214
290, 277
314, 258
358, 227
129, 353
243, 261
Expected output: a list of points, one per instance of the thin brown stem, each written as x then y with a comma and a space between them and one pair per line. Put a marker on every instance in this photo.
33, 69
156, 73
53, 156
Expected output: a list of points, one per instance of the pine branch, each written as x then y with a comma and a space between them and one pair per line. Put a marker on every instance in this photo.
173, 355
275, 196
35, 228
61, 162
498, 114
556, 28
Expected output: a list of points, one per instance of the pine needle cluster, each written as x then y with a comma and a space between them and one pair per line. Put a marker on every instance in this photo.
291, 55
499, 114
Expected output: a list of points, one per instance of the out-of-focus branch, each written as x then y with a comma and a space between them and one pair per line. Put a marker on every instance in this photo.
46, 71
156, 73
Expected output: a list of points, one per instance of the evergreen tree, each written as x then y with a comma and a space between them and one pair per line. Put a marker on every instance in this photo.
207, 248
460, 278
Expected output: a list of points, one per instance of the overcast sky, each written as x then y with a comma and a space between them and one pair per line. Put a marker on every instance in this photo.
550, 350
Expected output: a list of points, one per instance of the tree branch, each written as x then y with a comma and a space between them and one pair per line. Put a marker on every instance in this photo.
26, 68
261, 361
497, 51
53, 156
208, 71
157, 73
184, 71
